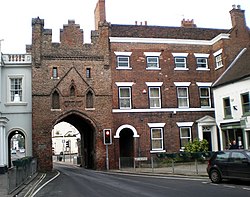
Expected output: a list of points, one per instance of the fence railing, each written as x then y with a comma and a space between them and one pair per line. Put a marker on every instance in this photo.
174, 163
22, 170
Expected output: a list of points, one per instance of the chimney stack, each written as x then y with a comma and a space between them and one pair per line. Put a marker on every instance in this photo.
100, 13
188, 23
238, 16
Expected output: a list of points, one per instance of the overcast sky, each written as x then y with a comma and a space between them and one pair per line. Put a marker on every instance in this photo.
16, 16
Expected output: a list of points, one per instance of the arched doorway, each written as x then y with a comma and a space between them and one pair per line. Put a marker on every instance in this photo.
86, 142
126, 148
16, 146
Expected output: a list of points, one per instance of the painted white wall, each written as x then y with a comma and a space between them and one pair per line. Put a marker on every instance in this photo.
233, 91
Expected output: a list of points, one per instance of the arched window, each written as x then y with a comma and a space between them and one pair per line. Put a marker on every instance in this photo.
72, 91
89, 100
55, 100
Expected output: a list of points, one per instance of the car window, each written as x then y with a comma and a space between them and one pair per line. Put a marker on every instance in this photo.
222, 156
237, 157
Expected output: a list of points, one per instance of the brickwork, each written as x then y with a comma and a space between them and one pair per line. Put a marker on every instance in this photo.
71, 57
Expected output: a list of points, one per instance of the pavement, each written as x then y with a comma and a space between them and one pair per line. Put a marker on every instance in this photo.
33, 183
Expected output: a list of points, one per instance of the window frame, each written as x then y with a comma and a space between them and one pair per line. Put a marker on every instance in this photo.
55, 72
201, 63
182, 138
151, 98
160, 139
155, 62
184, 62
245, 105
11, 97
128, 98
123, 62
178, 97
205, 97
226, 108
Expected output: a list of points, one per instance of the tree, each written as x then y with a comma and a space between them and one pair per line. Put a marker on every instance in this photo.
197, 146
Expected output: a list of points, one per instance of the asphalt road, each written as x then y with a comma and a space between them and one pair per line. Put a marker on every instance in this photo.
76, 182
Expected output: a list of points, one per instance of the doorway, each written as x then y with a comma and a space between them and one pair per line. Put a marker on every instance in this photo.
126, 148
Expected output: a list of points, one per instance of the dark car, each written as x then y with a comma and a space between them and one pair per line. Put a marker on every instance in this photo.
229, 164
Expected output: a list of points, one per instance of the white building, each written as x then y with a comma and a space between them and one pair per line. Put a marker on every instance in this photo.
65, 139
15, 104
232, 102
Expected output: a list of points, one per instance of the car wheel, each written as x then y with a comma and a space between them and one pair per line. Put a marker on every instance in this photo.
215, 176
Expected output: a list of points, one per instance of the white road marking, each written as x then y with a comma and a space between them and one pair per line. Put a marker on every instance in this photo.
58, 173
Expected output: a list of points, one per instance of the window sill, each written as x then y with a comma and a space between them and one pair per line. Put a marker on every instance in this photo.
16, 104
120, 68
203, 69
153, 68
157, 151
55, 110
216, 68
89, 109
181, 68
55, 78
228, 117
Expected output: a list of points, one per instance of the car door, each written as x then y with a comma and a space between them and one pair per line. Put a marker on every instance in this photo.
238, 165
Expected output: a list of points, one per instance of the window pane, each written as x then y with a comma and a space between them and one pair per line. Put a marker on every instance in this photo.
154, 98
185, 132
157, 138
123, 61
16, 90
180, 62
201, 62
124, 92
156, 133
182, 92
152, 62
125, 97
245, 102
227, 107
157, 145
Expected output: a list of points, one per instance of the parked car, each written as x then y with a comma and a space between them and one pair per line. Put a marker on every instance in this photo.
229, 164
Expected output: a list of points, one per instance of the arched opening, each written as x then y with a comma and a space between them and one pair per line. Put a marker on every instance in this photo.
55, 100
89, 100
16, 146
75, 141
126, 148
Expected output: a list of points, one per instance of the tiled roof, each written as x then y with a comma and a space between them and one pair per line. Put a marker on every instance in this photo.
145, 31
239, 69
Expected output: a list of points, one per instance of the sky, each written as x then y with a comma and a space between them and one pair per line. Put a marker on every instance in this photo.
16, 16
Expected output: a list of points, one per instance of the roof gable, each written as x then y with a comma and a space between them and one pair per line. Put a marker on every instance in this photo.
239, 69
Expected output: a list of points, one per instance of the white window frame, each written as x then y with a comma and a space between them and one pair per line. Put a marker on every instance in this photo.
182, 56
155, 55
160, 126
201, 56
157, 139
9, 95
182, 138
179, 97
125, 55
155, 62
218, 59
154, 98
123, 98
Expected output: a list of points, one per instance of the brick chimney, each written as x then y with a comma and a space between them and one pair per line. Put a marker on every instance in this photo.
188, 23
238, 16
100, 13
